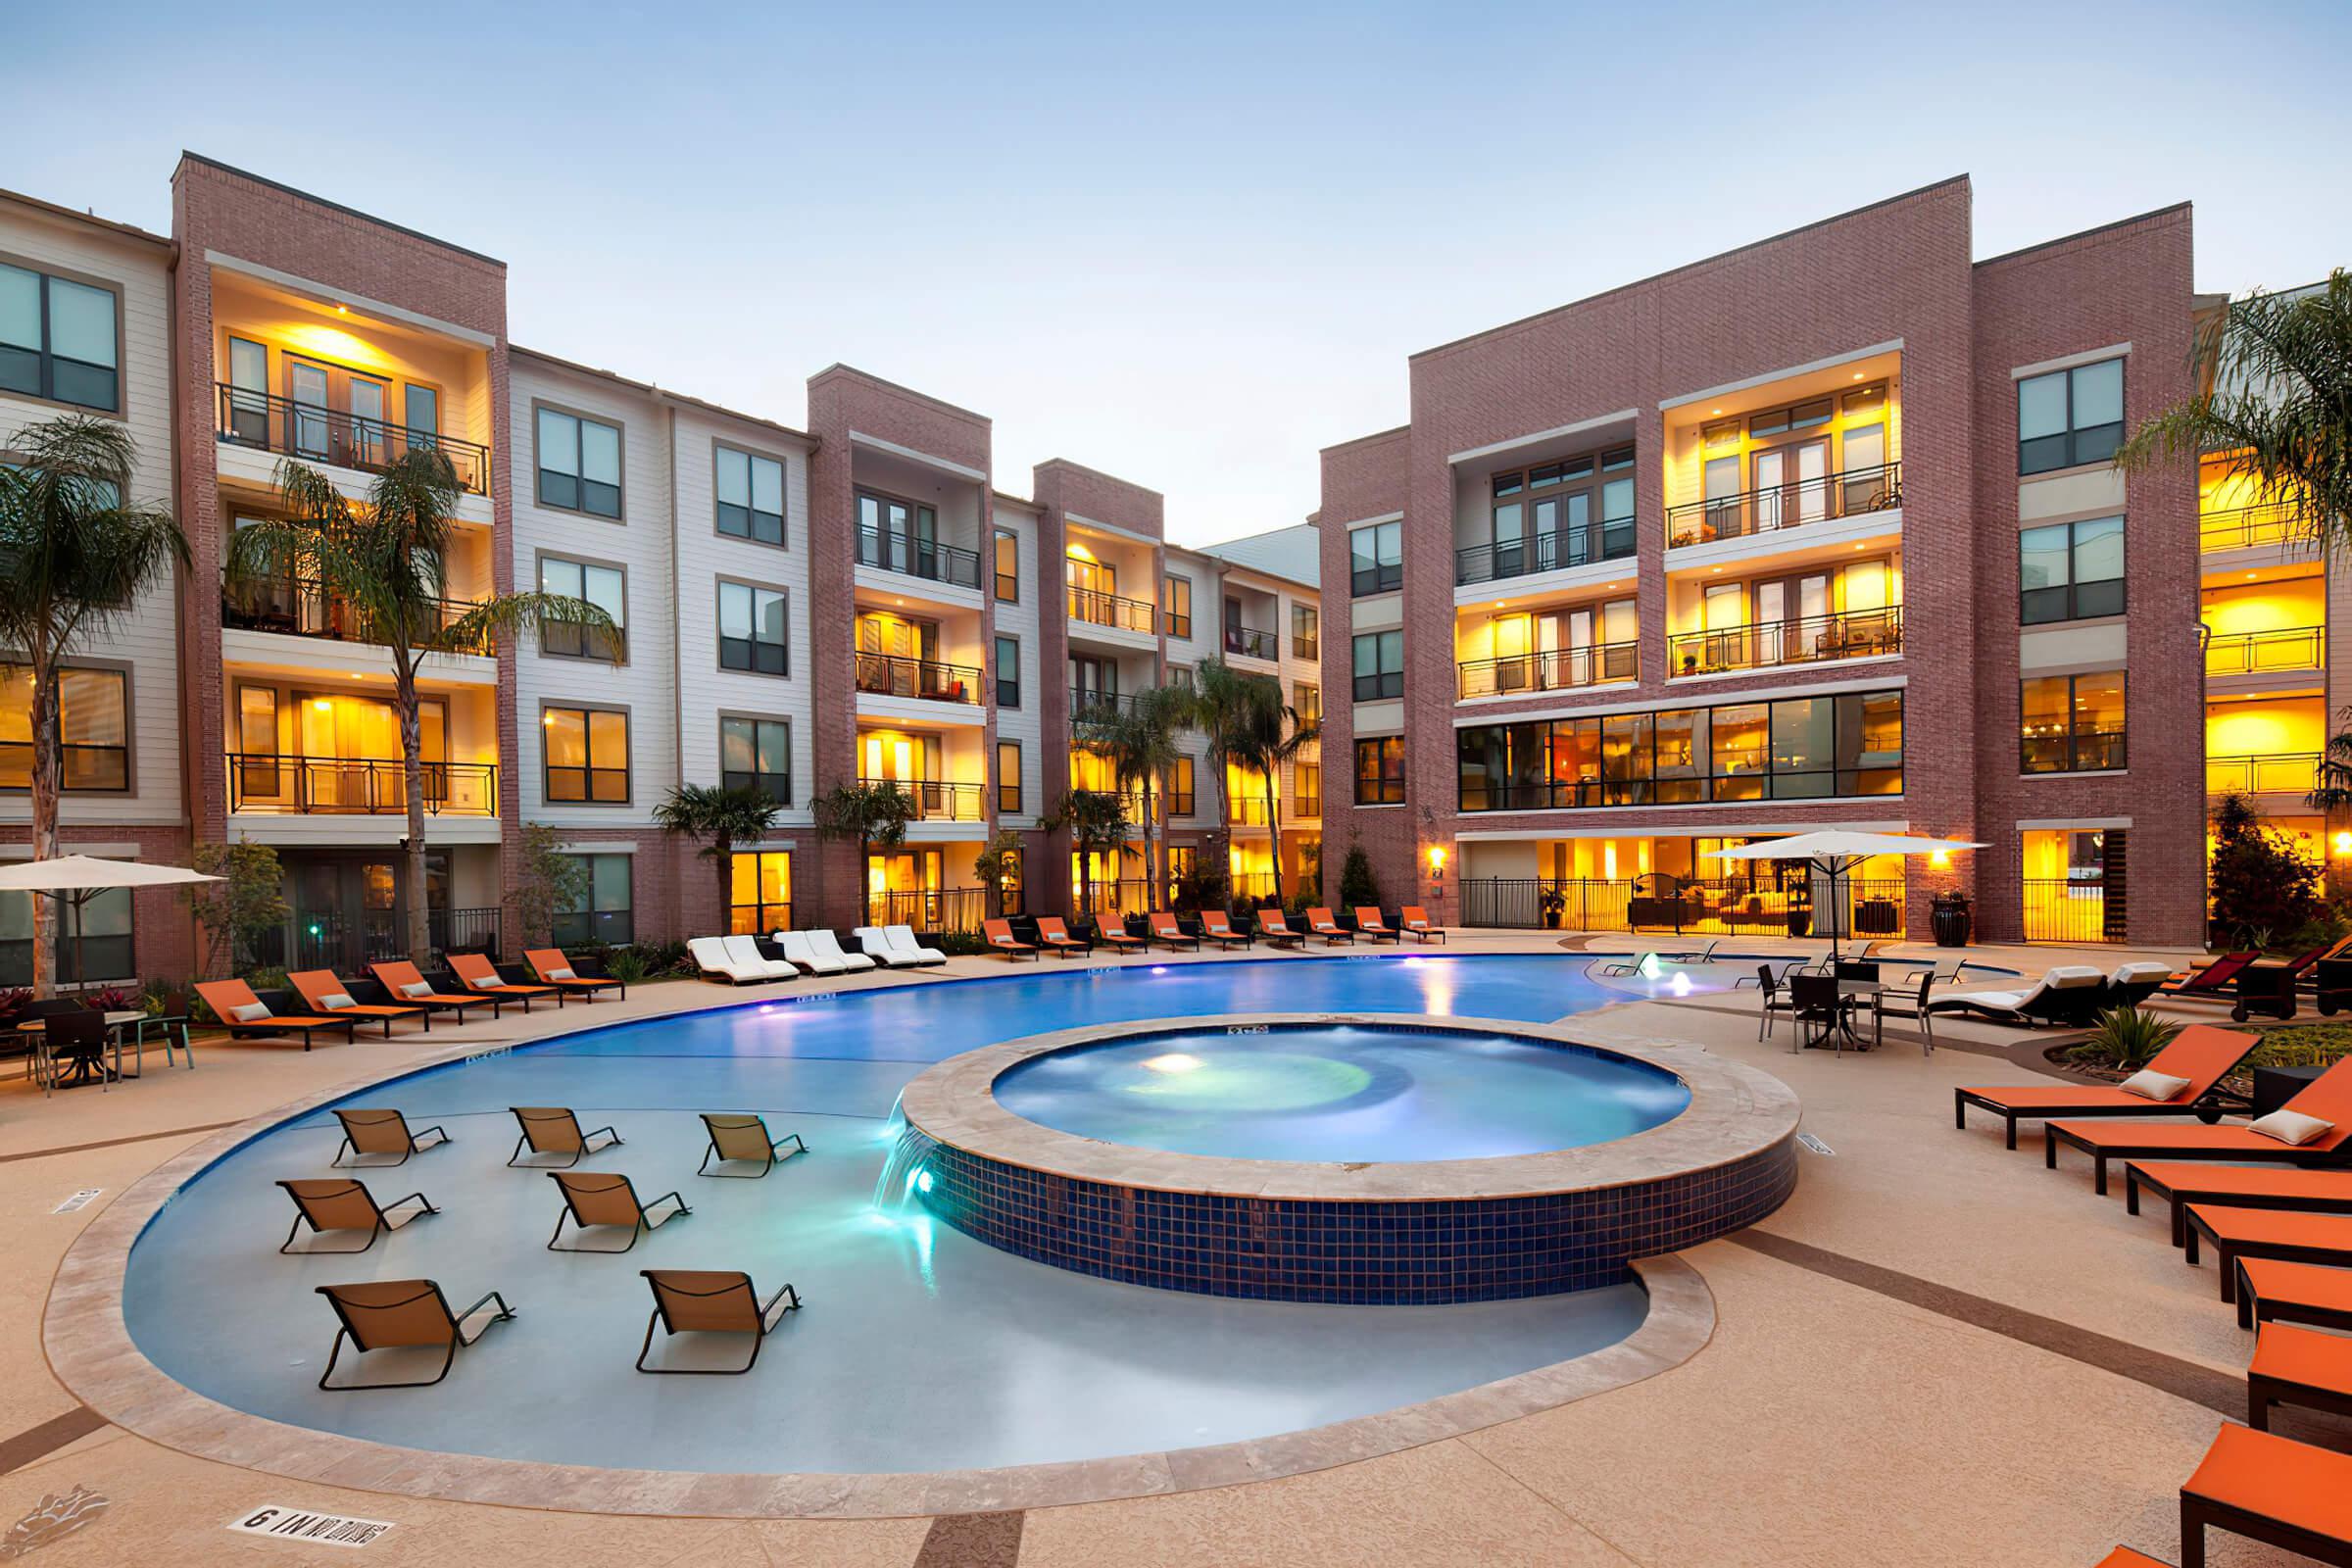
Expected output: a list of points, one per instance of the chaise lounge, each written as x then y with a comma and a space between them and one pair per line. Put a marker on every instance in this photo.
2176, 1081
2271, 1290
243, 1014
740, 1138
2309, 1192
1218, 926
711, 1301
2069, 996
999, 937
711, 956
406, 1314
345, 1205
607, 1198
1413, 921
402, 979
2328, 1100
2272, 1490
1057, 936
480, 976
1319, 923
555, 969
383, 1132
1167, 933
2268, 1233
556, 1129
323, 992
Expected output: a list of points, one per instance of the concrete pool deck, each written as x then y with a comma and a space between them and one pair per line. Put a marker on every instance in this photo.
1935, 1353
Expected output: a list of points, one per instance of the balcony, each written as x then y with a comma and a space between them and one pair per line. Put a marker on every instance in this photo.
2280, 651
2284, 772
936, 801
310, 433
1609, 539
1853, 493
1099, 609
888, 676
348, 786
910, 556
2243, 527
1805, 640
301, 607
1247, 642
1083, 700
1559, 670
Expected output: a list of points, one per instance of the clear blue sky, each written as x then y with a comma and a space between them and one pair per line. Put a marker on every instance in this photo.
1189, 246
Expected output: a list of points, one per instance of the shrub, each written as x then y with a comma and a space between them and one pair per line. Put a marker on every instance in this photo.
2262, 888
958, 943
550, 881
243, 907
1356, 885
2126, 1039
627, 966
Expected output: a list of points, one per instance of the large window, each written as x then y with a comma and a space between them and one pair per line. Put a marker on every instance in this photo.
1009, 566
751, 496
760, 896
1380, 772
93, 728
1375, 559
1802, 748
580, 464
59, 339
2071, 570
1309, 788
1180, 789
1008, 776
751, 629
605, 914
756, 754
105, 946
1306, 632
1008, 672
587, 756
606, 588
2072, 723
1179, 593
1307, 703
1379, 666
1556, 515
2070, 416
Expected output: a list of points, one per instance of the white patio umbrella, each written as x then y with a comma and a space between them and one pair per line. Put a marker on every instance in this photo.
1836, 851
76, 878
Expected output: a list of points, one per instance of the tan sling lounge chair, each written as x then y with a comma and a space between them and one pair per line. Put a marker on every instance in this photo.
553, 1130
241, 1012
606, 1198
406, 1314
480, 976
323, 992
383, 1132
742, 1137
711, 1301
340, 1204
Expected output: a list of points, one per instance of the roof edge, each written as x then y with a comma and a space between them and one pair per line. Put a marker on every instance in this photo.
300, 194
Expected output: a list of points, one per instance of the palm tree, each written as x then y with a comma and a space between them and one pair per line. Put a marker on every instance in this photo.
726, 817
1241, 717
1140, 741
1097, 824
381, 559
874, 812
76, 553
1292, 734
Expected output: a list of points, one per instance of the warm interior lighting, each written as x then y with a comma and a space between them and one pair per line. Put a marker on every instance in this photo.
2343, 844
322, 705
547, 718
1718, 410
1857, 375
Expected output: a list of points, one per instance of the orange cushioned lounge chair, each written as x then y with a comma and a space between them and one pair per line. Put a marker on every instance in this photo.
740, 1137
607, 1199
555, 969
2298, 1366
2328, 1098
711, 1301
2236, 1233
479, 975
402, 979
1319, 923
340, 1204
1218, 926
323, 992
2268, 1488
241, 1012
406, 1314
383, 1132
2270, 1290
1167, 933
554, 1130
999, 937
1413, 921
2126, 1557
1112, 931
1276, 928
1368, 924
2181, 1184
1054, 934
2202, 1054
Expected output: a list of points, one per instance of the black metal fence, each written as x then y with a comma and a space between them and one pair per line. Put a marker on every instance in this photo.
317, 435
912, 556
1773, 507
1724, 908
2070, 910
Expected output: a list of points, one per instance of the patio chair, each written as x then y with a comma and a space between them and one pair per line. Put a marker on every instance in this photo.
555, 969
740, 1138
2236, 1233
1319, 923
2268, 1488
479, 975
1218, 926
2271, 1290
1164, 930
711, 959
2070, 994
243, 1013
901, 940
1413, 921
2327, 1097
596, 1198
1057, 936
406, 1314
2187, 1069
1275, 927
323, 992
1894, 1003
2181, 1183
825, 944
999, 937
402, 979
2208, 982
744, 952
711, 1301
1111, 932
1776, 1001
1369, 924
70, 1049
1820, 1011
2297, 1366
345, 1205
795, 946
383, 1132
2135, 983
554, 1130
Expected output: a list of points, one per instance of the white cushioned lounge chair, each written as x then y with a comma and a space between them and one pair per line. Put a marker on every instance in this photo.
711, 956
877, 948
745, 951
825, 944
795, 945
2066, 994
901, 940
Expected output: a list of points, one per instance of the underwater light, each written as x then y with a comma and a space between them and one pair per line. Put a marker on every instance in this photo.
1174, 1061
1159, 968
922, 1181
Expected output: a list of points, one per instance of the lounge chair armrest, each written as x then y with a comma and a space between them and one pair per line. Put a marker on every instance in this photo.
425, 1205
678, 1198
794, 1139
416, 1140
601, 1131
786, 1300
503, 1313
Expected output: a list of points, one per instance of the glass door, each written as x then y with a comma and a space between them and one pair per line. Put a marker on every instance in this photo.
249, 392
306, 389
368, 447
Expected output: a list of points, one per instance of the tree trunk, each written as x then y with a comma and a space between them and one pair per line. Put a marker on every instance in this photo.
1152, 876
46, 780
1086, 876
722, 854
411, 769
865, 886
1274, 823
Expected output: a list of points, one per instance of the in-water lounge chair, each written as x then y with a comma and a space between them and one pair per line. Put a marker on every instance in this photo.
2072, 993
825, 944
740, 1137
1413, 921
479, 975
368, 1133
1167, 933
2182, 1183
406, 1314
402, 979
999, 937
1368, 924
2236, 1233
1218, 926
1319, 923
2269, 1489
711, 956
2328, 1098
241, 1014
2197, 1059
1057, 936
555, 969
598, 1197
1275, 927
341, 1203
2297, 1366
711, 1301
2275, 1290
553, 1130
902, 940
323, 992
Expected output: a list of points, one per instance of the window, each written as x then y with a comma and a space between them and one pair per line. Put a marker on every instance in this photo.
580, 464
105, 942
1008, 672
761, 892
1308, 702
1009, 566
606, 588
1379, 666
604, 915
1306, 632
1008, 777
2071, 570
58, 339
1180, 789
1380, 772
751, 496
2070, 416
751, 629
1180, 677
1180, 607
587, 755
93, 729
757, 754
1376, 558
2072, 723
1309, 788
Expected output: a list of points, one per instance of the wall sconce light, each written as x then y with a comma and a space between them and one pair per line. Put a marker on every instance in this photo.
2343, 844
1436, 861
1940, 860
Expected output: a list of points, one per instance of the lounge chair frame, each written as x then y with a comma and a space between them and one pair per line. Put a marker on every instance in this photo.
583, 986
385, 1224
645, 1224
456, 1337
1058, 937
500, 988
416, 1139
769, 1317
2201, 1514
2055, 1132
1172, 938
2183, 1191
2226, 1252
525, 1115
776, 1156
1280, 934
2255, 1310
1224, 934
295, 1024
1379, 929
2264, 1392
434, 1000
385, 1014
1328, 928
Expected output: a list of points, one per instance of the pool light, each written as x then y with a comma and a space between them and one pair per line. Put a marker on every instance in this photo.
1159, 968
922, 1181
1174, 1061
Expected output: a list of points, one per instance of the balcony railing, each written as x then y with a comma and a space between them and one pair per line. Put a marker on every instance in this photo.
301, 607
1652, 903
1771, 508
1082, 701
357, 786
2084, 751
2287, 773
909, 557
1805, 640
938, 910
325, 939
310, 433
889, 675
2264, 652
2272, 522
1099, 609
1607, 539
1248, 642
936, 801
1557, 670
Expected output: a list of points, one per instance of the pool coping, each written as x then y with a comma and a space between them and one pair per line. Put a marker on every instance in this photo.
91, 1351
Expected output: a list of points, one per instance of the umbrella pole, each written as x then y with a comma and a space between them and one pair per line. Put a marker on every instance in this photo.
82, 961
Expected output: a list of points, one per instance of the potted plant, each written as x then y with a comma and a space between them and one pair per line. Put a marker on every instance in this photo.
1555, 906
1950, 918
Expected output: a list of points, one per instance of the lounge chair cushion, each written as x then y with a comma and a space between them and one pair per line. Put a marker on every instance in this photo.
249, 1012
336, 1000
2149, 1084
2290, 1127
420, 988
2133, 975
561, 974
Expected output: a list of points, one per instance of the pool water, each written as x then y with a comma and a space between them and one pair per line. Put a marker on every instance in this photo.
1341, 1092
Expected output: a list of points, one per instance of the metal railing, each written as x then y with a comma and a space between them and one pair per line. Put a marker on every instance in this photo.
1802, 640
1247, 810
1099, 609
314, 434
1730, 908
889, 675
1082, 701
2091, 751
1605, 539
2274, 522
1882, 771
927, 558
929, 909
302, 606
1248, 642
346, 786
2062, 909
935, 800
1771, 508
325, 939
2263, 653
2284, 771
1555, 669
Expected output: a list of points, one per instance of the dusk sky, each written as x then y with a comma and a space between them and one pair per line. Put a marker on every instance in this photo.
1192, 246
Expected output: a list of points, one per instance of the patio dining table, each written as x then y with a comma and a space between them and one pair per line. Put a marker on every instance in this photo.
86, 1068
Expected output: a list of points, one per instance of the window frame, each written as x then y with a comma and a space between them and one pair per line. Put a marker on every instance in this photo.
539, 562
1386, 576
728, 717
2072, 434
125, 672
45, 374
1388, 782
720, 449
1008, 794
588, 930
1381, 676
588, 769
2071, 589
1311, 616
2075, 737
755, 854
1182, 788
1179, 623
999, 679
620, 482
1004, 537
720, 639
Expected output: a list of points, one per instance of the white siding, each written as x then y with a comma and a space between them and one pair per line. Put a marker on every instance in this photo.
1025, 723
